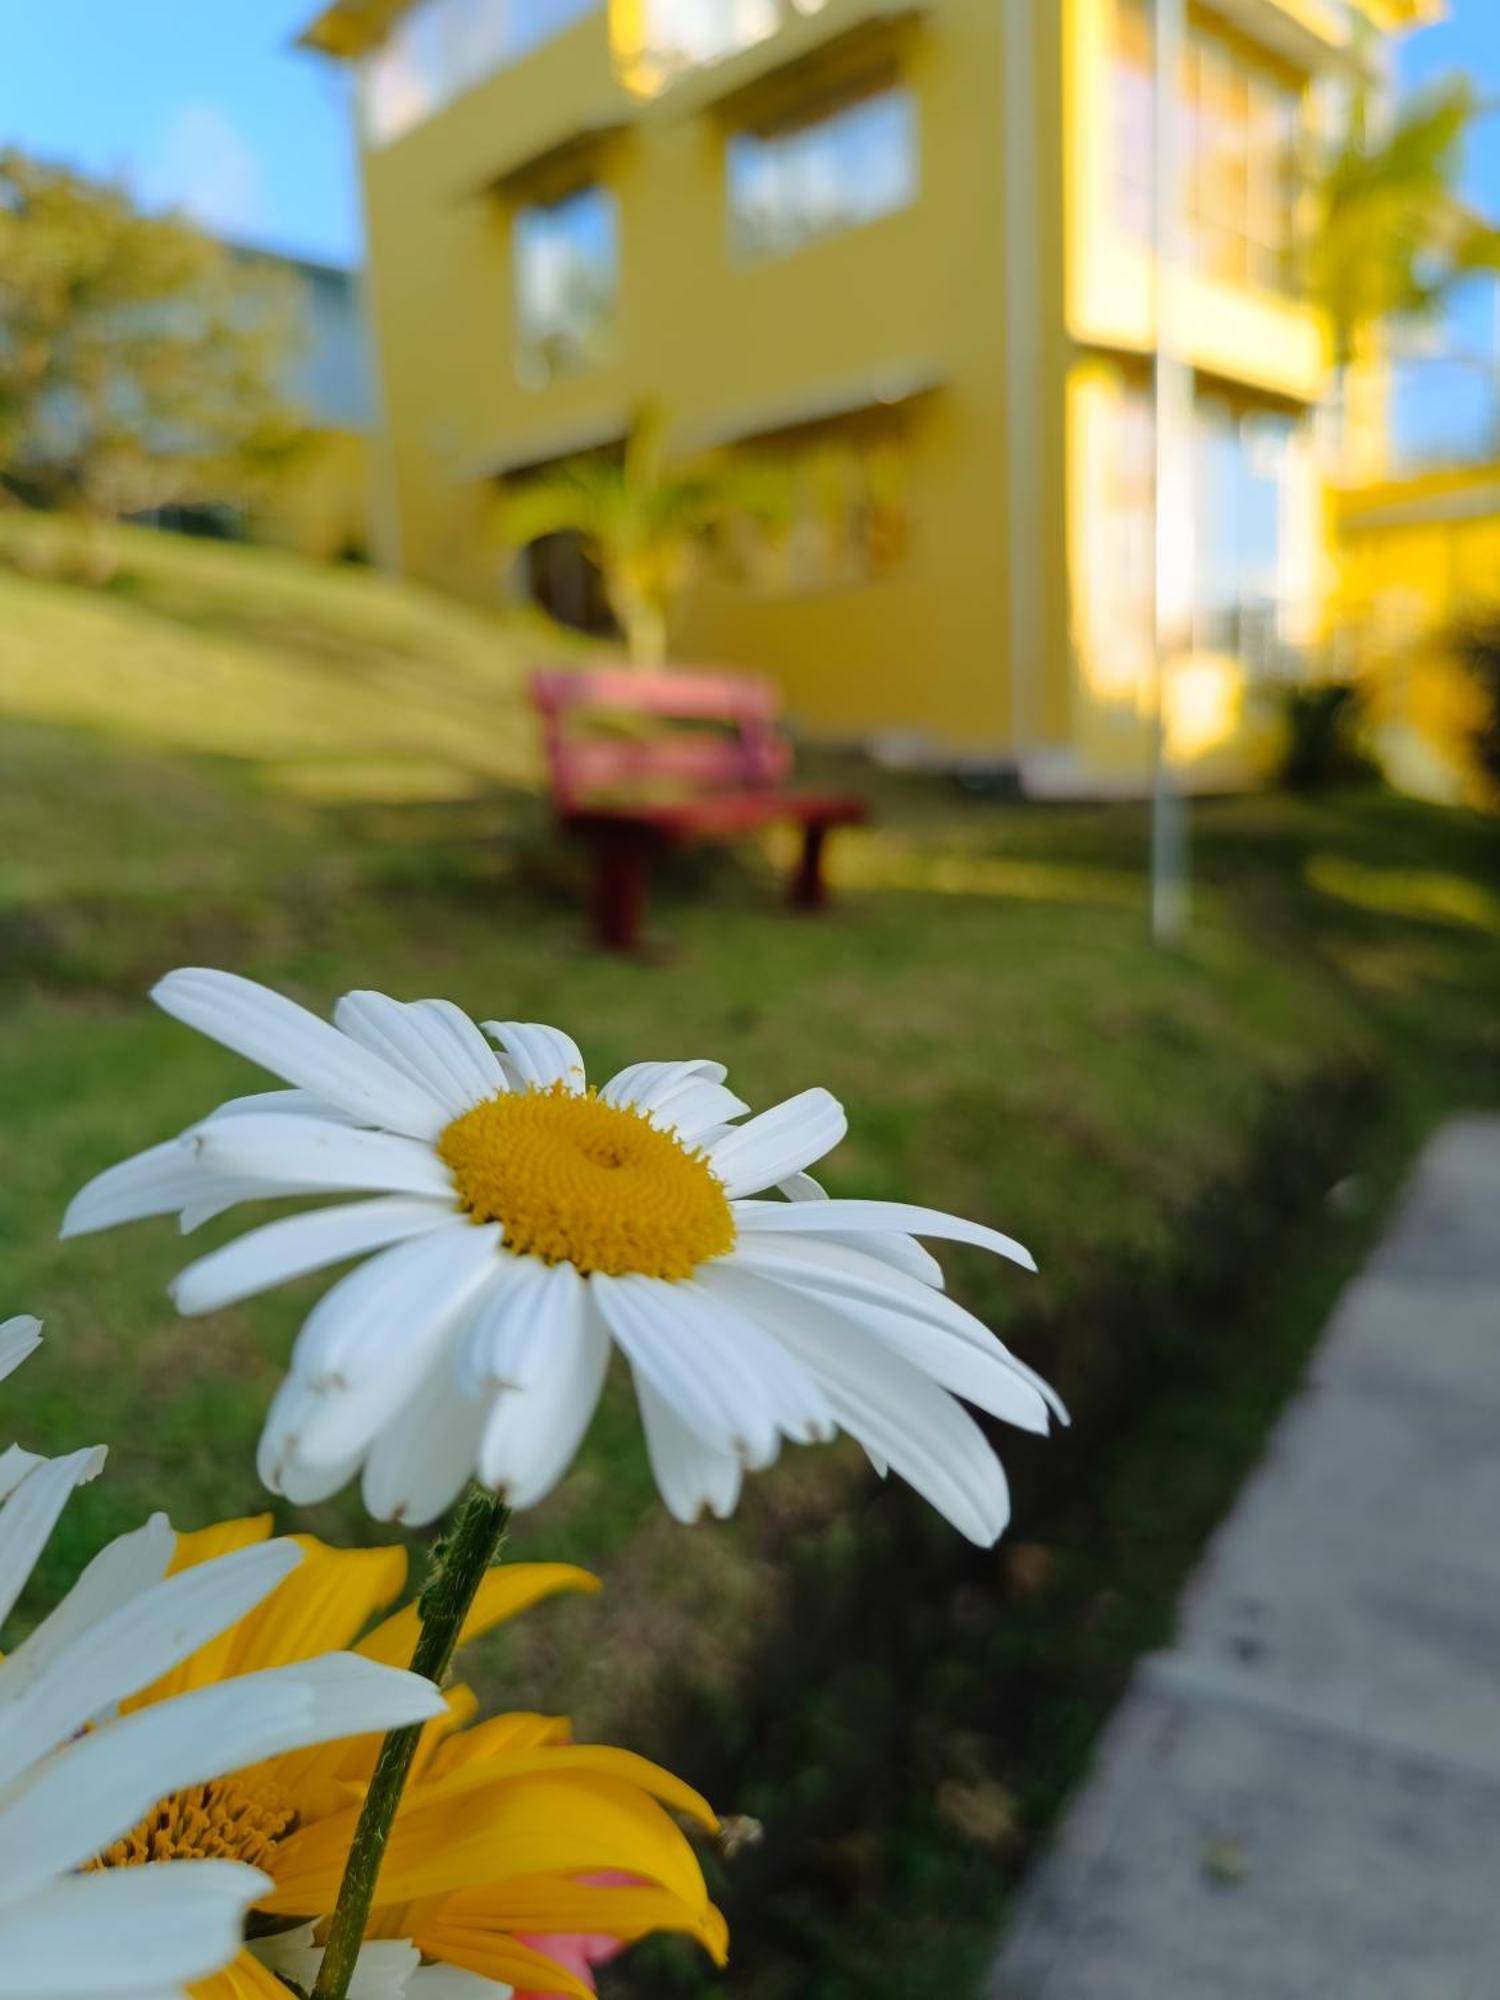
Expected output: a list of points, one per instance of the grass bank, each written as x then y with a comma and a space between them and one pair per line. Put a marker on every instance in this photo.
1162, 1130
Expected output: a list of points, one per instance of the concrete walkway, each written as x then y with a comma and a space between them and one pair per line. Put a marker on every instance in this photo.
1301, 1801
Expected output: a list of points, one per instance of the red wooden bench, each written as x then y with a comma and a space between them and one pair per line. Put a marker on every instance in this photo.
631, 795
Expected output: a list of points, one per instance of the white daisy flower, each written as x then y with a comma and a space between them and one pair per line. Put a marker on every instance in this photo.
518, 1224
76, 1775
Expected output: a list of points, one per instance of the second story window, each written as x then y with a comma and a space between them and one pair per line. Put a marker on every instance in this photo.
567, 282
796, 182
682, 34
1238, 137
439, 48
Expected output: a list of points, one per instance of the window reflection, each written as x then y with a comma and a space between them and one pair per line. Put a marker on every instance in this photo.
792, 184
440, 48
1247, 502
681, 34
1239, 133
567, 278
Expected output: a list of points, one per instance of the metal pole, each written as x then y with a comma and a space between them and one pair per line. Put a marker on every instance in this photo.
1173, 545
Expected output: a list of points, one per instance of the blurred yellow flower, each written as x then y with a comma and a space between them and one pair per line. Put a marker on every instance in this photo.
506, 1826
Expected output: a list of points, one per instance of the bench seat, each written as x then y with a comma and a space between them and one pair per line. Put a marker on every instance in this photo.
720, 780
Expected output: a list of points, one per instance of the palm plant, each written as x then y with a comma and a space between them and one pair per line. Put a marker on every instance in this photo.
1391, 238
644, 520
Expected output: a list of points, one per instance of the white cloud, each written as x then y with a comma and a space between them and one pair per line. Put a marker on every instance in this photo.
204, 165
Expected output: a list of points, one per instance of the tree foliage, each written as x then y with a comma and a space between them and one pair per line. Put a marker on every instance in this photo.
142, 363
643, 519
1391, 237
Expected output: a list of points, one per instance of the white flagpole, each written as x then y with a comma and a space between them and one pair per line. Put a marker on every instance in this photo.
1173, 548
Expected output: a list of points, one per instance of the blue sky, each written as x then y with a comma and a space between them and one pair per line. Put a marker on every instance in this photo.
199, 102
1444, 409
208, 105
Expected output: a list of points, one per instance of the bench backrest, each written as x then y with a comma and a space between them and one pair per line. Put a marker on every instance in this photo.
735, 747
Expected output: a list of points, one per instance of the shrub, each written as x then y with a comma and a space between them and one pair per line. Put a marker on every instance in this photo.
1324, 737
1479, 649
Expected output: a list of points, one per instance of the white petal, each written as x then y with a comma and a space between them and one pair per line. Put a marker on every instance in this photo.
294, 1044
533, 1434
515, 1322
729, 1381
132, 1644
166, 1179
383, 1970
318, 1156
451, 1982
697, 1111
367, 1343
902, 1253
778, 1142
894, 1411
883, 1217
30, 1514
301, 1103
157, 1182
689, 1476
645, 1085
417, 1466
540, 1055
430, 1041
297, 1244
121, 1570
18, 1338
126, 1931
962, 1355
854, 1269
91, 1793
14, 1466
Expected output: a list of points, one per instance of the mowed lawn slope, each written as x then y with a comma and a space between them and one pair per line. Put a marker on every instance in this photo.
983, 999
339, 682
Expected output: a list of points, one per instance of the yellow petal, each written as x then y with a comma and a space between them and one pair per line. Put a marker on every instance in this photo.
201, 1545
322, 1607
498, 1957
560, 1906
574, 1823
502, 1733
244, 1979
505, 1593
560, 1759
207, 1665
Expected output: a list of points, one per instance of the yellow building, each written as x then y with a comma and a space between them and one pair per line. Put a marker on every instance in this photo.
1420, 561
903, 247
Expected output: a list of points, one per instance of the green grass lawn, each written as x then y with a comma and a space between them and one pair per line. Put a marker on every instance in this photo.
983, 999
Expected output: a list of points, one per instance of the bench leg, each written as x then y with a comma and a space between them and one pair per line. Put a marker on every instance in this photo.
808, 889
621, 863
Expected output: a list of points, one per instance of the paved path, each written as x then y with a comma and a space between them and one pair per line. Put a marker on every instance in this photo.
1301, 1801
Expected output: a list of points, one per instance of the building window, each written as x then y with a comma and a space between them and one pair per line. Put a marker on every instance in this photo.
679, 35
794, 183
567, 281
439, 48
1253, 493
1240, 125
826, 507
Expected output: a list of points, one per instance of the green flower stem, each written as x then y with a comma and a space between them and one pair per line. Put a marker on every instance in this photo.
462, 1559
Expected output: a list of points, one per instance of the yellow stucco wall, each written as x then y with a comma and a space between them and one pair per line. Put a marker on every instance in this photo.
944, 644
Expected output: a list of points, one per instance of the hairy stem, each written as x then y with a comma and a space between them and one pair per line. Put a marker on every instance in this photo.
461, 1561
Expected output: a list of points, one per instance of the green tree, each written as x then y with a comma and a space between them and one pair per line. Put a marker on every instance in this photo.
142, 363
644, 520
1391, 239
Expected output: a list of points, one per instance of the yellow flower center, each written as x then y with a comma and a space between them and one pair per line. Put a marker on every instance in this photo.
227, 1819
571, 1179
